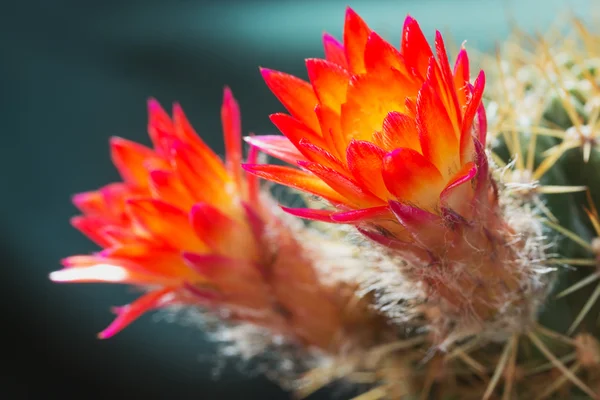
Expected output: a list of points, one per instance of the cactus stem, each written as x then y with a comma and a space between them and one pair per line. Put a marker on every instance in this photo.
380, 392
580, 262
586, 308
500, 367
569, 234
560, 366
557, 384
582, 283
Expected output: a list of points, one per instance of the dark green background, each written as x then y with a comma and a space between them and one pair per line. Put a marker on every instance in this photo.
75, 72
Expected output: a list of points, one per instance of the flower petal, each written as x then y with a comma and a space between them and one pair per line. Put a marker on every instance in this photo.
129, 313
329, 82
232, 133
411, 177
415, 49
129, 159
296, 95
437, 136
356, 34
365, 161
295, 178
399, 130
352, 191
276, 146
334, 51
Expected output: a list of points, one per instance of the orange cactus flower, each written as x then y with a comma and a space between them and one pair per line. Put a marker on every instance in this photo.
377, 128
394, 140
193, 230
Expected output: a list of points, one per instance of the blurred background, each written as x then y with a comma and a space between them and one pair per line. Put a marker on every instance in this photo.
75, 73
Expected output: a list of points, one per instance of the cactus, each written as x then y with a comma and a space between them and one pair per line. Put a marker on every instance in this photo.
451, 237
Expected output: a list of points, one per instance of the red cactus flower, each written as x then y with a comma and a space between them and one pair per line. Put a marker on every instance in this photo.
193, 230
394, 140
379, 129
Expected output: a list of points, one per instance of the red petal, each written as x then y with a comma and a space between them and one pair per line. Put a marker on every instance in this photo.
295, 130
200, 181
295, 178
331, 129
354, 216
462, 76
164, 222
165, 186
381, 56
352, 191
356, 34
466, 138
365, 161
92, 227
436, 133
454, 110
329, 82
310, 213
410, 177
370, 98
296, 95
457, 195
415, 49
211, 163
321, 156
334, 51
399, 130
232, 132
276, 146
159, 123
129, 159
129, 313
212, 226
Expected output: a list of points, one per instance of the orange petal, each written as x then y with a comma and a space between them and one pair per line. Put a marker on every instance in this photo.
331, 129
462, 77
415, 49
399, 130
296, 95
365, 161
165, 186
92, 227
356, 34
199, 180
459, 191
295, 130
454, 109
329, 82
412, 178
436, 133
370, 99
159, 123
353, 192
334, 51
129, 313
129, 159
466, 137
380, 56
147, 258
163, 222
211, 163
232, 132
276, 146
295, 178
321, 156
212, 226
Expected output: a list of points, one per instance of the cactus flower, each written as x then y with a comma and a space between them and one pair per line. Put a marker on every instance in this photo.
394, 140
192, 230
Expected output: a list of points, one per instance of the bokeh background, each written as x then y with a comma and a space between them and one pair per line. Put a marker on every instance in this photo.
74, 73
